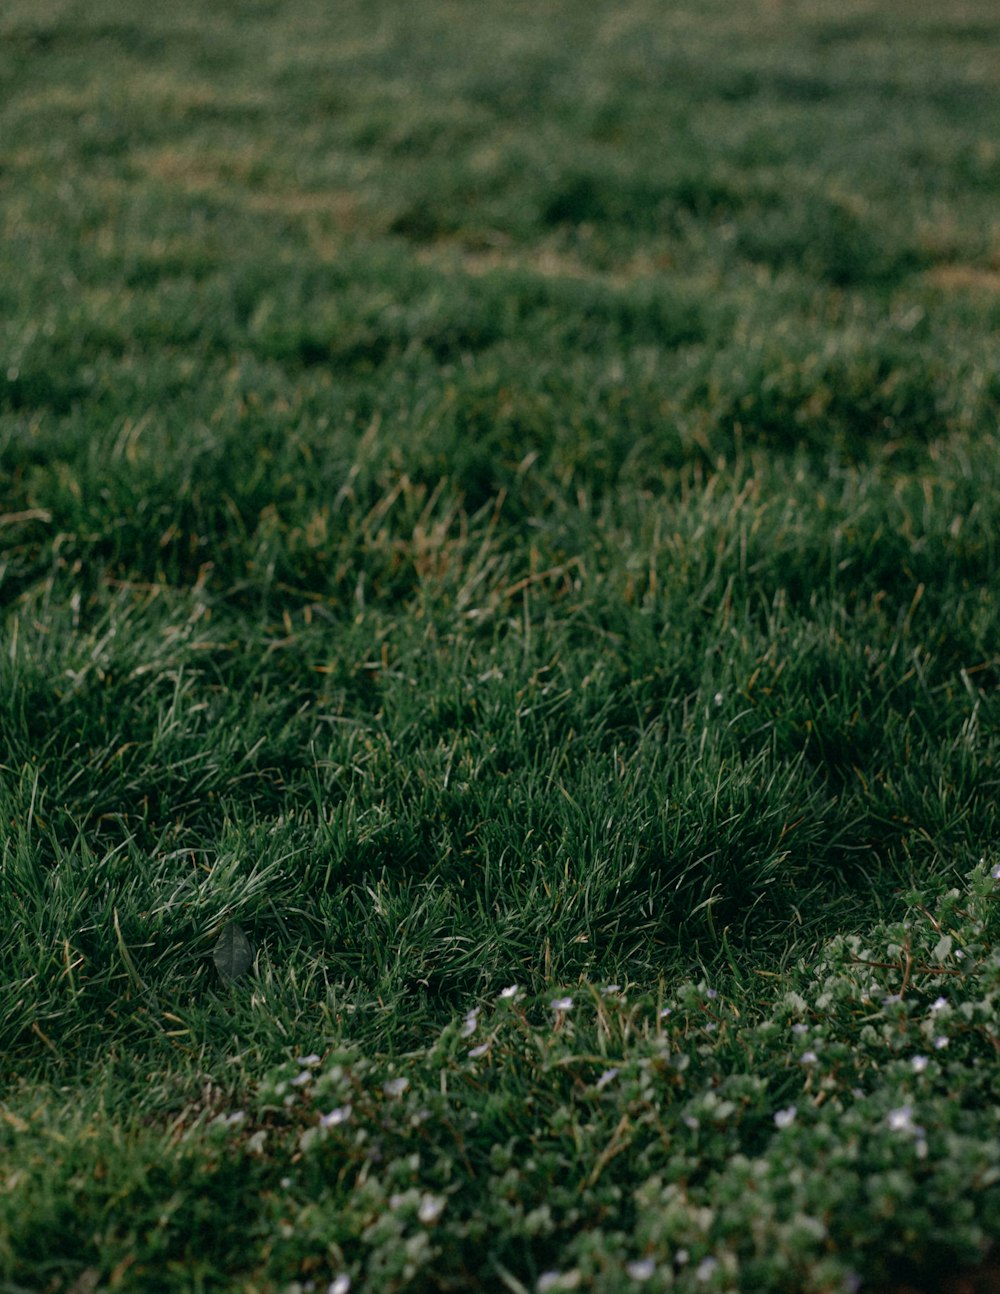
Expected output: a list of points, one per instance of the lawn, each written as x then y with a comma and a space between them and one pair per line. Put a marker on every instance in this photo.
499, 645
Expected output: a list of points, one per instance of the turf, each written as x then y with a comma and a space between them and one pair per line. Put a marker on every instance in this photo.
498, 496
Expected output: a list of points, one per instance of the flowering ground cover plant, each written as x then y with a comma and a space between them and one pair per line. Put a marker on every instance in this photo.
498, 645
846, 1131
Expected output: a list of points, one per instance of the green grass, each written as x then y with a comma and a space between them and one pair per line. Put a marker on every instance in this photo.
490, 496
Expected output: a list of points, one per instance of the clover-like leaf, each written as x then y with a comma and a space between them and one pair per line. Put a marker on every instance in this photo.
233, 954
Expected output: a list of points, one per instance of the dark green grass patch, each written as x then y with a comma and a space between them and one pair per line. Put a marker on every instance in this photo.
497, 498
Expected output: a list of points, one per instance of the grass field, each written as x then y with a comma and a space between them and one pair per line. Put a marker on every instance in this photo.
501, 503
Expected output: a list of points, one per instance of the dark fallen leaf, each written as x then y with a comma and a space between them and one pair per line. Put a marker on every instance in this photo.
232, 955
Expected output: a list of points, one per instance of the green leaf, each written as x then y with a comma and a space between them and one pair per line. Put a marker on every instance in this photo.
942, 949
232, 955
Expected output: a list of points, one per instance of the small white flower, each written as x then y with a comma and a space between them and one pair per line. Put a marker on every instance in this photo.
332, 1120
431, 1207
691, 1122
285, 1183
705, 1268
892, 999
718, 698
665, 1011
681, 1257
610, 989
340, 1284
808, 1058
712, 993
509, 992
561, 1004
481, 1050
470, 1022
785, 1118
939, 1004
900, 1120
607, 1077
395, 1086
919, 1064
641, 1269
300, 1080
799, 1028
940, 1042
308, 1061
995, 871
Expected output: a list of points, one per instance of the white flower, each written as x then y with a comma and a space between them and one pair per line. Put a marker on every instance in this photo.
300, 1080
995, 871
892, 999
940, 1042
712, 993
939, 1004
481, 1050
607, 1077
340, 1284
431, 1207
665, 1011
311, 1059
509, 992
561, 1004
785, 1118
470, 1022
609, 989
641, 1269
900, 1120
395, 1086
799, 1028
681, 1257
340, 1115
919, 1064
808, 1058
705, 1268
